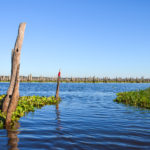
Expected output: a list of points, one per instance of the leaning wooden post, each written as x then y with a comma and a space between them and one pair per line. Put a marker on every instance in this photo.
58, 83
15, 62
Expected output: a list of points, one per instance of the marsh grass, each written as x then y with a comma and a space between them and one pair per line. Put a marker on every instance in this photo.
139, 98
26, 104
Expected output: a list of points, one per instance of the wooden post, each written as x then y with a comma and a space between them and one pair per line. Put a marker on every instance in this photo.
58, 83
15, 62
14, 100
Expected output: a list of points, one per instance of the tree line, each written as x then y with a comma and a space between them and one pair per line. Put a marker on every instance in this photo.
94, 79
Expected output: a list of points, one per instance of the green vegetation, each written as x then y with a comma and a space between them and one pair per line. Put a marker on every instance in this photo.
139, 98
26, 104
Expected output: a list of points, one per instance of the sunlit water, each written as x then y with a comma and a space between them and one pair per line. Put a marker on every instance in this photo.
87, 118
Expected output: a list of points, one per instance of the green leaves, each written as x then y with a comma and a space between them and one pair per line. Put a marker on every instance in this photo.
1, 124
27, 104
140, 98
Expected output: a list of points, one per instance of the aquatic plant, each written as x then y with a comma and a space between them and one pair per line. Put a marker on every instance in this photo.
139, 98
26, 104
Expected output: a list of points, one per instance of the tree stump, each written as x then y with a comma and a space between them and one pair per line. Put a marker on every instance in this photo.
15, 62
14, 100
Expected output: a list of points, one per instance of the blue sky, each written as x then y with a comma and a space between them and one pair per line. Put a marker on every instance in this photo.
82, 37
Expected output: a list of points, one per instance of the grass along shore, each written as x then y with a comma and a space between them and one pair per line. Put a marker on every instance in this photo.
139, 98
26, 104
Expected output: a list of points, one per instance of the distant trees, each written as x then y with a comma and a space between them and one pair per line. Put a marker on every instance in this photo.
31, 78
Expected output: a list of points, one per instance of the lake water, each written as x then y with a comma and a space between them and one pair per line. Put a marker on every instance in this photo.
87, 118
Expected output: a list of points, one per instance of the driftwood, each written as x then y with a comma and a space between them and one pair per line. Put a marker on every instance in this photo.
15, 60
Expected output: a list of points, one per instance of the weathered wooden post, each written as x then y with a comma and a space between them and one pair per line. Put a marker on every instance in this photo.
14, 100
13, 89
58, 83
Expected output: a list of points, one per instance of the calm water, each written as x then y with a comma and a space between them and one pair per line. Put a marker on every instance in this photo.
87, 118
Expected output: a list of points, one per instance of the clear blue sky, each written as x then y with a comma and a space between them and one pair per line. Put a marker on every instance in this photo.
82, 37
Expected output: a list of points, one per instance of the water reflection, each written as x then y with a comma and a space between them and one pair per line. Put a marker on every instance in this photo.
58, 118
13, 137
12, 134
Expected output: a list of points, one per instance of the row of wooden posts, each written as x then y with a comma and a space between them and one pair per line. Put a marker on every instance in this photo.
10, 101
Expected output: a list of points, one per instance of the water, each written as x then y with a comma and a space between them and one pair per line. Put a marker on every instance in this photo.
87, 118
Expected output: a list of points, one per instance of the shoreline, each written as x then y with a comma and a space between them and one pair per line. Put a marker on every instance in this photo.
73, 82
93, 79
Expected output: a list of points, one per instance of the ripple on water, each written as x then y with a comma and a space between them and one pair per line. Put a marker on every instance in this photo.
87, 118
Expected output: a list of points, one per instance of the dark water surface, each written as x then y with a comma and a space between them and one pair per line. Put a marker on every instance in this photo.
86, 118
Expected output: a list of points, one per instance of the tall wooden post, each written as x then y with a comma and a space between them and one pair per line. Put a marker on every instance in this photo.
15, 60
58, 83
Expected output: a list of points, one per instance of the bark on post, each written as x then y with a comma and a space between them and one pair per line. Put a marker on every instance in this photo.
57, 89
15, 62
14, 100
12, 56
